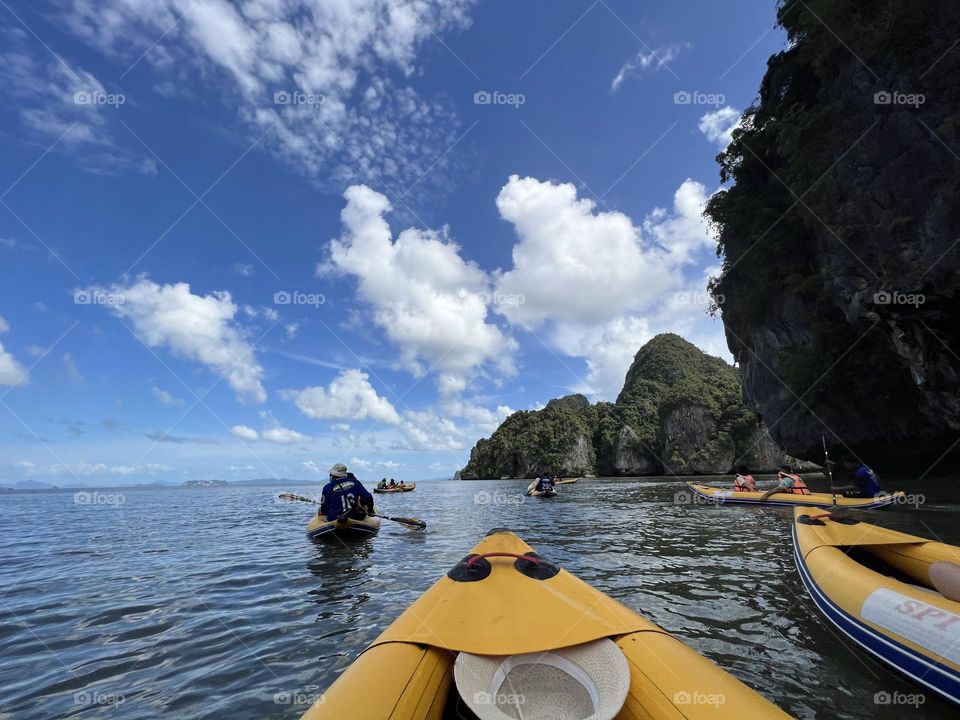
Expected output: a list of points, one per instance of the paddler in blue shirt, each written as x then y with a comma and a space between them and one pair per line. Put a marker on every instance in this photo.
866, 483
545, 483
344, 496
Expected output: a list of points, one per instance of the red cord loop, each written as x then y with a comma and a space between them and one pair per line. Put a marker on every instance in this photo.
475, 559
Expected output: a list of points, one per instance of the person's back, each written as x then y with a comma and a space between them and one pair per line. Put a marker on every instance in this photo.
791, 482
867, 481
743, 482
344, 495
544, 484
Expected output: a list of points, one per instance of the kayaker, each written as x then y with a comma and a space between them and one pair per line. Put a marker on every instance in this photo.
742, 482
382, 484
344, 495
788, 483
866, 483
393, 483
402, 484
544, 483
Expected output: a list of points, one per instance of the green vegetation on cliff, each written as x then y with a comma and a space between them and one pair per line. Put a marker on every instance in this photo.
841, 185
680, 411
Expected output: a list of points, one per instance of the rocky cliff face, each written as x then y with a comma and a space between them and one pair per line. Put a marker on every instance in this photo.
680, 411
839, 234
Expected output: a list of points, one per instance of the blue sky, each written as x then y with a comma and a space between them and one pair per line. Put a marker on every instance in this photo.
253, 239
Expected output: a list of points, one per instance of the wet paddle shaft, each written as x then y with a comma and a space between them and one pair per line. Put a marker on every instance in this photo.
826, 459
408, 522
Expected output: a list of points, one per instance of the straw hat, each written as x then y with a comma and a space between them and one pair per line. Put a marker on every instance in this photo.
582, 682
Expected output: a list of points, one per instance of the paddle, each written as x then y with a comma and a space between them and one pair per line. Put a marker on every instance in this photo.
407, 522
826, 457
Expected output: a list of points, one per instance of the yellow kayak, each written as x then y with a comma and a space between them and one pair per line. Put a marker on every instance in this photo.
405, 488
566, 481
319, 528
508, 634
848, 567
822, 500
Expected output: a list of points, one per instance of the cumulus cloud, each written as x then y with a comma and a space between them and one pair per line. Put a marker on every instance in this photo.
350, 396
645, 60
12, 373
276, 434
326, 79
565, 241
87, 469
194, 327
428, 300
245, 432
717, 127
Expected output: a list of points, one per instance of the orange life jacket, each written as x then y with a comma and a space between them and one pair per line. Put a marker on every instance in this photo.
744, 483
799, 486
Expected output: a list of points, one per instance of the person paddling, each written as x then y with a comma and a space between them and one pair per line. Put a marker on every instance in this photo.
344, 496
382, 484
788, 483
866, 483
544, 484
742, 482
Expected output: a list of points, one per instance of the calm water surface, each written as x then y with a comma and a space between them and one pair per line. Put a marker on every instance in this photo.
210, 602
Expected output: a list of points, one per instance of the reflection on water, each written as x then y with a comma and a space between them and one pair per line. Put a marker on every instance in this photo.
212, 602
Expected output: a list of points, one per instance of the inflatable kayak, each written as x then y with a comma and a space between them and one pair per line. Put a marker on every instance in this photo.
822, 500
566, 481
319, 528
508, 634
405, 488
880, 588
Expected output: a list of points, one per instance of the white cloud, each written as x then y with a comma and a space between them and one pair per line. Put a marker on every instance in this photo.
194, 327
350, 396
284, 436
342, 427
245, 433
362, 464
644, 60
367, 126
717, 127
12, 373
311, 467
86, 469
164, 397
430, 302
600, 285
572, 263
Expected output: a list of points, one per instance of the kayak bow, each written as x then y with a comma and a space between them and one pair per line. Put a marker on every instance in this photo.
505, 600
821, 500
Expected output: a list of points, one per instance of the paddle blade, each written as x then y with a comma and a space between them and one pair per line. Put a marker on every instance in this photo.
297, 498
411, 522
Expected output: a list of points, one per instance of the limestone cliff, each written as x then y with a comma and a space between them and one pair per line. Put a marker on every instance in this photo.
680, 411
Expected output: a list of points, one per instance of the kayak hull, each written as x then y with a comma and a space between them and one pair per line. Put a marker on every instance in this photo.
566, 481
319, 528
407, 488
502, 614
910, 628
820, 500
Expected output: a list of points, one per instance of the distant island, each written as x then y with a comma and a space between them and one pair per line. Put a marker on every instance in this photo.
680, 411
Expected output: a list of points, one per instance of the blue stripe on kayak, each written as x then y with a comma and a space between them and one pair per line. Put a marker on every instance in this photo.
918, 667
883, 502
